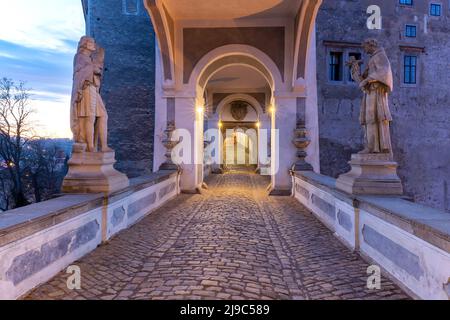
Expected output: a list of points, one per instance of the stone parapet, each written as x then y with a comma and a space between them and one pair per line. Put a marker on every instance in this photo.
40, 240
408, 241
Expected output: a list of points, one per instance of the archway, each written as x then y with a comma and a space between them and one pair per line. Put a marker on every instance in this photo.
276, 44
238, 96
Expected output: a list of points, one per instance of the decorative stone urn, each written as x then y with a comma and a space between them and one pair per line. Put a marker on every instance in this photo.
301, 142
169, 144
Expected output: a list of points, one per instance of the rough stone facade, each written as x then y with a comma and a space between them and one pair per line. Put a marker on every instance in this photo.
124, 29
421, 127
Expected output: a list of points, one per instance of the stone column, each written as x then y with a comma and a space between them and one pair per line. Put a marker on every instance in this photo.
283, 113
264, 146
190, 120
215, 141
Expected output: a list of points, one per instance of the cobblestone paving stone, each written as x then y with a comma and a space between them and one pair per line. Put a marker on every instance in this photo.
231, 242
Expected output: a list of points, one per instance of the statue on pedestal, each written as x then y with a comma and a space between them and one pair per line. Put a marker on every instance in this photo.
376, 83
374, 170
91, 166
88, 116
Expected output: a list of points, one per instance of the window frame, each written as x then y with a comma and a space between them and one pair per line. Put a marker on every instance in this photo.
345, 71
411, 4
125, 8
404, 70
341, 65
432, 4
412, 26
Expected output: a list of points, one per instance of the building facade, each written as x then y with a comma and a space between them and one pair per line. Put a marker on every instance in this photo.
415, 34
124, 29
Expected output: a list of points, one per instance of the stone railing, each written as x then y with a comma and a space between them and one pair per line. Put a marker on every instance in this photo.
409, 242
40, 240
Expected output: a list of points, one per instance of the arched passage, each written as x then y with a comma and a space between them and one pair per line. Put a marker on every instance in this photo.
228, 79
273, 43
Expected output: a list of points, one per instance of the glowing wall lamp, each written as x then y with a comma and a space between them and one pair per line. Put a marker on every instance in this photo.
272, 109
200, 109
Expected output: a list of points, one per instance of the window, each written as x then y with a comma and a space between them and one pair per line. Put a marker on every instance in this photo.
336, 66
411, 31
435, 9
406, 2
410, 70
130, 7
357, 56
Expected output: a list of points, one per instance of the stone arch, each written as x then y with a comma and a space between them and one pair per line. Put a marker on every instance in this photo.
234, 55
304, 31
165, 35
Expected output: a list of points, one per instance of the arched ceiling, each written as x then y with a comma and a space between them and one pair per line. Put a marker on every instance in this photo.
237, 77
231, 9
166, 14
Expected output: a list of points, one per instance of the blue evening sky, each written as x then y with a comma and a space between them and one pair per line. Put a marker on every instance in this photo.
38, 39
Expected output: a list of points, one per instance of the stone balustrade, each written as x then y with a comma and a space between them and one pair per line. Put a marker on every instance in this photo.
409, 242
40, 240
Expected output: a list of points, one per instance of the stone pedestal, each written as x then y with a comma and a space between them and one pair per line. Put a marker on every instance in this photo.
374, 173
93, 172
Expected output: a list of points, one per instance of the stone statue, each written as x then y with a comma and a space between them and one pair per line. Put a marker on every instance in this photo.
88, 113
376, 82
91, 167
373, 170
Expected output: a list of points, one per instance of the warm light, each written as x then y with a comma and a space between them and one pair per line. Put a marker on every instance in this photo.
258, 124
200, 109
220, 124
272, 109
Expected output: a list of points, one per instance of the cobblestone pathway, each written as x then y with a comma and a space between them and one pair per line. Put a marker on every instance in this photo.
232, 242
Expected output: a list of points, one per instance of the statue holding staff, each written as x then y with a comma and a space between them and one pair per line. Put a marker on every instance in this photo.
373, 170
376, 82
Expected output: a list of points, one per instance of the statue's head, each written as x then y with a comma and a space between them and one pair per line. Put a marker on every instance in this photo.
87, 43
370, 45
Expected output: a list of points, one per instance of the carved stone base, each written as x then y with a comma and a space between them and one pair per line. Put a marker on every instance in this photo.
374, 173
280, 192
302, 166
169, 166
93, 172
217, 171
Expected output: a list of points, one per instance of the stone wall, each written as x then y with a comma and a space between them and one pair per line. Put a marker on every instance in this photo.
129, 83
421, 127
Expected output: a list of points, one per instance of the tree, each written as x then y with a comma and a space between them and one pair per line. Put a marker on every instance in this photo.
5, 188
15, 133
44, 165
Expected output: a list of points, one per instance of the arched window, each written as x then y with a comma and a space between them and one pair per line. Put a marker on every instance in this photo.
130, 7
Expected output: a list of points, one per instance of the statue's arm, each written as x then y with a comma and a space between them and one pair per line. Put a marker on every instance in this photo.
99, 60
83, 72
365, 74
